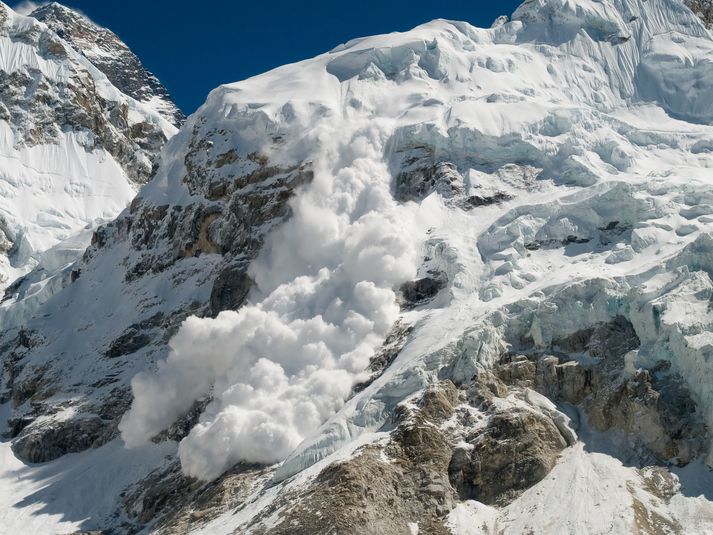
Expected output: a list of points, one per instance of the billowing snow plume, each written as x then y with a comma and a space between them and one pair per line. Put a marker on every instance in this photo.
521, 132
283, 364
28, 6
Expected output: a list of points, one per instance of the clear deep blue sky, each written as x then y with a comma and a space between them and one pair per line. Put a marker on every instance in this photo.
195, 46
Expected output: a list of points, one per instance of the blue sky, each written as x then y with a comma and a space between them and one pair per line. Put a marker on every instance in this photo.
195, 46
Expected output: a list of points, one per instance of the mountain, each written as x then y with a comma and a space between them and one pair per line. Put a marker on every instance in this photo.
73, 151
451, 280
111, 56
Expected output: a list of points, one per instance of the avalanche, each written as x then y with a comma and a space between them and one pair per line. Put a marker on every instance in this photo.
362, 240
586, 112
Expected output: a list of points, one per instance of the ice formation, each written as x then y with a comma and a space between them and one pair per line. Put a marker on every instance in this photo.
571, 131
444, 200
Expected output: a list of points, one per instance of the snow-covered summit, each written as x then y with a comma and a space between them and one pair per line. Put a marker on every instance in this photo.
419, 273
110, 55
73, 148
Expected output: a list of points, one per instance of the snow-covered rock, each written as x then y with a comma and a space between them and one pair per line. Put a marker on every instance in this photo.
111, 56
73, 151
262, 301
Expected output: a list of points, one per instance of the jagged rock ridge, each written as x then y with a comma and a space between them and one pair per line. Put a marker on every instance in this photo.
111, 56
529, 207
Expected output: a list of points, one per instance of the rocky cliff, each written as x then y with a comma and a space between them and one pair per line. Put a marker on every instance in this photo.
111, 56
452, 280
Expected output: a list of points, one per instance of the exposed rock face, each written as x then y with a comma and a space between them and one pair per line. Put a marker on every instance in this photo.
40, 108
417, 292
203, 247
652, 408
174, 504
436, 455
417, 183
383, 489
230, 289
111, 56
39, 444
419, 173
517, 450
702, 8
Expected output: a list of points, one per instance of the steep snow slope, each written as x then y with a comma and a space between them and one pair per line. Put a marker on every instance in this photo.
73, 148
111, 56
494, 285
493, 104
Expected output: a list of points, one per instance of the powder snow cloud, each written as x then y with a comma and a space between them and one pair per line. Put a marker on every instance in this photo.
28, 6
284, 363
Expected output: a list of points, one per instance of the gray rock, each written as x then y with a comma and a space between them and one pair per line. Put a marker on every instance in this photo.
418, 292
517, 450
40, 444
653, 409
424, 178
364, 494
230, 289
123, 68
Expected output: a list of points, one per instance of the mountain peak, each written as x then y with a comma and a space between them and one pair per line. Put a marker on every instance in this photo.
453, 276
111, 56
60, 117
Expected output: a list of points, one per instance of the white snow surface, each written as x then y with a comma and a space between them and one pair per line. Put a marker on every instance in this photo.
593, 117
584, 112
49, 192
78, 492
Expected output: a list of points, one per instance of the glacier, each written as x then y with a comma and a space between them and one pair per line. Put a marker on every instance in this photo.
549, 175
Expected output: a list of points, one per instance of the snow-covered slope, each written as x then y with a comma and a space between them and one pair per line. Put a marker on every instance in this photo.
111, 56
452, 279
73, 148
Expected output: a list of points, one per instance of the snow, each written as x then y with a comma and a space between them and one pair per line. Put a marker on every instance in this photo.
50, 192
592, 118
47, 278
77, 492
472, 518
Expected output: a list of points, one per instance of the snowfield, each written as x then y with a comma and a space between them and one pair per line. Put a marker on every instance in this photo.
57, 177
552, 172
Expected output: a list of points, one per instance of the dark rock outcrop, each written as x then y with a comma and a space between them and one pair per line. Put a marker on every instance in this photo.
40, 444
383, 490
230, 289
418, 182
420, 291
111, 56
517, 450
